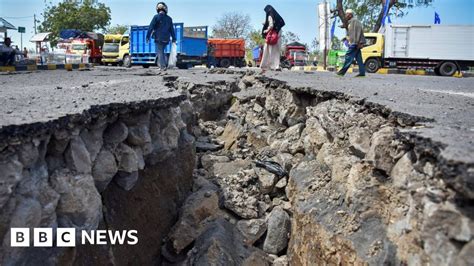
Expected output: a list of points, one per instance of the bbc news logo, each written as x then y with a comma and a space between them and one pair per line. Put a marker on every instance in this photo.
66, 237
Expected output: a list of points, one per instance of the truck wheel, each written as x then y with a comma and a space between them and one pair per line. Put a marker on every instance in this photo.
225, 63
182, 66
127, 61
448, 68
372, 65
145, 66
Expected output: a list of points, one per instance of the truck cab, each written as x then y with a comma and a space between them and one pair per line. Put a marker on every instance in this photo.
295, 55
116, 49
372, 53
92, 48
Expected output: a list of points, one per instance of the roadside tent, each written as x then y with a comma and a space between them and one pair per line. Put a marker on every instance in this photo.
39, 38
4, 26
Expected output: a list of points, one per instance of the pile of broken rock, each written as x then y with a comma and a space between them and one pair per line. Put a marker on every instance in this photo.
238, 212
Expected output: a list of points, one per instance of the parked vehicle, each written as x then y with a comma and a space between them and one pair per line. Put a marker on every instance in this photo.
336, 58
257, 55
294, 55
444, 49
191, 45
228, 52
88, 44
116, 50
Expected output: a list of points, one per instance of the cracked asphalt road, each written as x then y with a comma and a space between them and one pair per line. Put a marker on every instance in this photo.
448, 101
43, 96
29, 97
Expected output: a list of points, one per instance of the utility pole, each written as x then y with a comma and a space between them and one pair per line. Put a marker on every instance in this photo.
34, 20
326, 23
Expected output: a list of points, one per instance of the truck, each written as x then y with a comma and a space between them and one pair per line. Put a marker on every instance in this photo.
116, 49
294, 55
228, 52
444, 49
257, 53
191, 45
88, 44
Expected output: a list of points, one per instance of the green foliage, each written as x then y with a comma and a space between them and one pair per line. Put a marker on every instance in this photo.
255, 39
315, 44
336, 44
369, 12
117, 29
88, 16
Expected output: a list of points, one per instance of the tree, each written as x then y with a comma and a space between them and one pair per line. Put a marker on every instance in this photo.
289, 36
371, 12
232, 25
255, 39
117, 29
315, 44
336, 43
86, 16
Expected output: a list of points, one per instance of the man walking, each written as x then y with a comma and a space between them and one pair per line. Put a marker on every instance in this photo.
162, 28
356, 39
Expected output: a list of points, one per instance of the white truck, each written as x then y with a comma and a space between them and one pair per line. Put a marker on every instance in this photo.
444, 49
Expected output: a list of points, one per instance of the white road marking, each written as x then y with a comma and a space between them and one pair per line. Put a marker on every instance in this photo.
466, 94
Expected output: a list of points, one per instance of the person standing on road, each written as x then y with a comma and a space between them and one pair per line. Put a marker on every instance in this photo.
162, 29
271, 52
211, 58
356, 40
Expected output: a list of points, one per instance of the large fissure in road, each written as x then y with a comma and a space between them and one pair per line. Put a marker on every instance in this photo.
243, 172
300, 176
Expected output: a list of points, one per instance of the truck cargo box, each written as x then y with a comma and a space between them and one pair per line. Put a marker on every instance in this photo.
433, 42
228, 47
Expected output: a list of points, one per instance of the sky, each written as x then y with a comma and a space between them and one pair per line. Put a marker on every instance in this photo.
300, 15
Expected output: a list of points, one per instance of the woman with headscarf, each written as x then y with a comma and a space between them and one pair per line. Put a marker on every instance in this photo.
271, 52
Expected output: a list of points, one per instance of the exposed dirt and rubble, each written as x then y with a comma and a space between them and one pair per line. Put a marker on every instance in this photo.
227, 167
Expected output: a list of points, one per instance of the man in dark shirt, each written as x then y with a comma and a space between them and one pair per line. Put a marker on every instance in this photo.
7, 53
162, 29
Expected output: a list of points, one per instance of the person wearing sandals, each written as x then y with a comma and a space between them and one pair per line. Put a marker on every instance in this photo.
271, 51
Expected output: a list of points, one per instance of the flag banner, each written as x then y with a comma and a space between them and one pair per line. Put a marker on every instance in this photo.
385, 11
333, 28
437, 19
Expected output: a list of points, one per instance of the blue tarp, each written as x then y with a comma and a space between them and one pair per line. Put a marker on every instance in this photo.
68, 34
256, 53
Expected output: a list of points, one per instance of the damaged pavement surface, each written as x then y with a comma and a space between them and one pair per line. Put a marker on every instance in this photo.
379, 171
